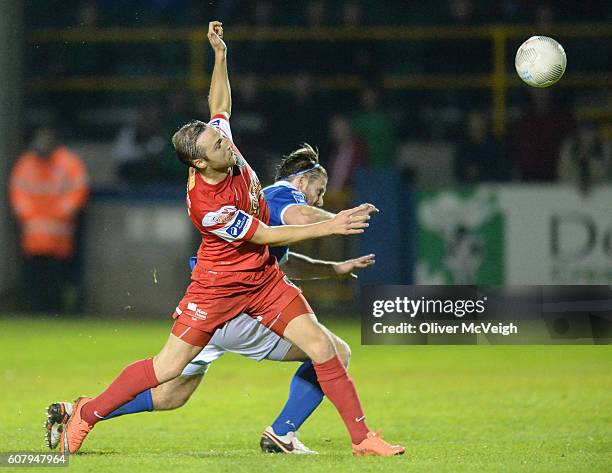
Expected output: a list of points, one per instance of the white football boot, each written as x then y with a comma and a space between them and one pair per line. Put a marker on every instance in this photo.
270, 442
58, 415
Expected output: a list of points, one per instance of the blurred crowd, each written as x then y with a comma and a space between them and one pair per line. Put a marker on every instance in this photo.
335, 95
356, 126
332, 94
543, 143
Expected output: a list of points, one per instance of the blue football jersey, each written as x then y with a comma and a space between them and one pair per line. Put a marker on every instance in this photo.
280, 196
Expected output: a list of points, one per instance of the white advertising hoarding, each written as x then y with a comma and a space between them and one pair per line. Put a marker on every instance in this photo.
557, 235
515, 234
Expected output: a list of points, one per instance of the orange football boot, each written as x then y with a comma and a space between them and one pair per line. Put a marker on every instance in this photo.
74, 432
374, 445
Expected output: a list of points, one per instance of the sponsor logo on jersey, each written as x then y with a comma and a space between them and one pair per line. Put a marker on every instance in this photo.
196, 312
237, 227
299, 197
223, 215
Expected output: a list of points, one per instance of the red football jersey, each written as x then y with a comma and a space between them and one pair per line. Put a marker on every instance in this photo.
227, 214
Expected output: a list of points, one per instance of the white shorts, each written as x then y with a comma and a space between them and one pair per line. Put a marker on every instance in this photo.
242, 335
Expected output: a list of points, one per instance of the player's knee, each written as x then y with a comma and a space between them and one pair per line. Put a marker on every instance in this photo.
172, 359
321, 348
344, 352
167, 367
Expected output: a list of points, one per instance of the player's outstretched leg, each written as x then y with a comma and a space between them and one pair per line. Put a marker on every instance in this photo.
170, 395
305, 332
59, 413
134, 379
167, 396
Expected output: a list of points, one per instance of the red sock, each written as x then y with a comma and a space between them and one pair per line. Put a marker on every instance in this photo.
134, 379
340, 390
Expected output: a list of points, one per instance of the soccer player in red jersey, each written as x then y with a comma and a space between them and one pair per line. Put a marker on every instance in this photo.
236, 274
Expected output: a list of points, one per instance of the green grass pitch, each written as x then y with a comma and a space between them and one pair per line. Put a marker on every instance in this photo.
474, 408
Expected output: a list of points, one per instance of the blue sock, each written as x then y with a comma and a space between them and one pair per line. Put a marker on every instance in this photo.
305, 395
141, 403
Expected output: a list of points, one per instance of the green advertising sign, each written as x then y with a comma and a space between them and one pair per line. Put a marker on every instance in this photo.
460, 237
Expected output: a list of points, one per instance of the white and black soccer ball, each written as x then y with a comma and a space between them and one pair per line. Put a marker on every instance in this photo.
540, 61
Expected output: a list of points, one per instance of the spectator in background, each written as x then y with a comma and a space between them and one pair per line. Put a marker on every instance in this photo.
586, 159
375, 126
48, 189
537, 136
140, 148
480, 156
348, 154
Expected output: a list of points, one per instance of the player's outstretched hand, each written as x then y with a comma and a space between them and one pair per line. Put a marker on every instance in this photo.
352, 221
346, 269
215, 37
366, 209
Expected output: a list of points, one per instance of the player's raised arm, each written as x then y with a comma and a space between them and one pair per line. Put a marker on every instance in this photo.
220, 97
348, 222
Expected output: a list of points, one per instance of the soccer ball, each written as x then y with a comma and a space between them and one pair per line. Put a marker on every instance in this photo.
540, 61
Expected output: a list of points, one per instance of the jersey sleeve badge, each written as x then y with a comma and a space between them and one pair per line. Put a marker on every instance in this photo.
228, 223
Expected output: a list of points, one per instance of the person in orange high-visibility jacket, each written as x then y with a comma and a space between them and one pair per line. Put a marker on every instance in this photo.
48, 189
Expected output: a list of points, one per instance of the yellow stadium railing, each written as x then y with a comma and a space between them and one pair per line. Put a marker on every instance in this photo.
498, 81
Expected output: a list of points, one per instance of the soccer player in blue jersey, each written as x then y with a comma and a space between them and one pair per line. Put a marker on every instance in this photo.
295, 198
